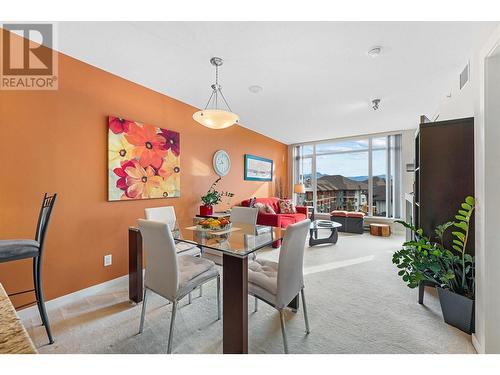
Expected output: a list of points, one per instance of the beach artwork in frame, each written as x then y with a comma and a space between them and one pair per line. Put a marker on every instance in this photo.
258, 168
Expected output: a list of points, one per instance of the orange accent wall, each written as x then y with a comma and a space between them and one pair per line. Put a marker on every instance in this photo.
56, 141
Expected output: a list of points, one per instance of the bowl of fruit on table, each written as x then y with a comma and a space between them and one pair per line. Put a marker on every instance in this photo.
213, 224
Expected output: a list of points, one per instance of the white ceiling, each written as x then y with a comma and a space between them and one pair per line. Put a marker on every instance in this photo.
317, 78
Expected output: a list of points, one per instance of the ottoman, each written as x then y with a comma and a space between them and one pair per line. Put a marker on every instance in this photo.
352, 222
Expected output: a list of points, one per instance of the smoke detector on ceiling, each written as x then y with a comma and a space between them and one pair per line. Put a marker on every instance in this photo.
375, 51
255, 89
375, 104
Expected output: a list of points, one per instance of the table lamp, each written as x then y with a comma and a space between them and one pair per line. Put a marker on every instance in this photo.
299, 188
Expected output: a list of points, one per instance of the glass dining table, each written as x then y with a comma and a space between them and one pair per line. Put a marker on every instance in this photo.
235, 244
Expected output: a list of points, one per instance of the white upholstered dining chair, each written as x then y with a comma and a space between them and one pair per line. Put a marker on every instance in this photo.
170, 275
167, 215
279, 283
243, 215
246, 215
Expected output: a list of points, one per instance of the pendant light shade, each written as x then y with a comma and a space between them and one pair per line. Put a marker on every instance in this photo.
215, 118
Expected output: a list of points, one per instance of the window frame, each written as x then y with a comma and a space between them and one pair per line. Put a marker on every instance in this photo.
370, 149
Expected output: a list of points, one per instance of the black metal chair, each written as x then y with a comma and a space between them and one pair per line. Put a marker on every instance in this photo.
11, 250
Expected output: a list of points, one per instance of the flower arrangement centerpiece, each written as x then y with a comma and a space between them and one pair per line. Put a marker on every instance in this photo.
211, 198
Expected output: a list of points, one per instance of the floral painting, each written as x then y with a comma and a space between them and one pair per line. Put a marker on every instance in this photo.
143, 161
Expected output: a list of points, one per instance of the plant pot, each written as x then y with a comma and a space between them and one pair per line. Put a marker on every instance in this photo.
206, 210
458, 310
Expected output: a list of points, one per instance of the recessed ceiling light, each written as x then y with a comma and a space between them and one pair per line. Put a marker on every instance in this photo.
255, 89
375, 51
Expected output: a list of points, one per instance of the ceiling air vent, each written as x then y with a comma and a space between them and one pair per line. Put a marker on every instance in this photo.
464, 76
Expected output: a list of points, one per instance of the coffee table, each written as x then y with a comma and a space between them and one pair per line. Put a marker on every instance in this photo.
323, 224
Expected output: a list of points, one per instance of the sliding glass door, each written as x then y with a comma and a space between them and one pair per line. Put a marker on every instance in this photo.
361, 175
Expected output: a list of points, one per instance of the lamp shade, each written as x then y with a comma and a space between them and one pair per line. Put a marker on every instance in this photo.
299, 188
216, 118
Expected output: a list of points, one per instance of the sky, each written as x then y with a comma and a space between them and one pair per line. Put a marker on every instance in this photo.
349, 164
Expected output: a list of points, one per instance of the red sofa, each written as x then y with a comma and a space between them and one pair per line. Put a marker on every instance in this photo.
278, 219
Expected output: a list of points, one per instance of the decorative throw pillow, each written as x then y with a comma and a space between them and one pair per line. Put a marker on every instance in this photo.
287, 206
260, 206
269, 209
252, 203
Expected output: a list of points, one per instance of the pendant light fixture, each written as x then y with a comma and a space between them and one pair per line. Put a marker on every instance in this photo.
214, 117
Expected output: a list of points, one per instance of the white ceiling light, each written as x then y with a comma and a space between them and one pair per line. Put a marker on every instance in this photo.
375, 51
214, 117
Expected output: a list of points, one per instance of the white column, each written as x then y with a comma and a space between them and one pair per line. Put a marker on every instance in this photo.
486, 78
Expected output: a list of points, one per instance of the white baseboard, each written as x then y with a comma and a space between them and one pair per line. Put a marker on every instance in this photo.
477, 345
32, 311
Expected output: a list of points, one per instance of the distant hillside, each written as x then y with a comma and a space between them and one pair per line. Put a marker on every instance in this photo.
318, 175
364, 178
354, 178
338, 182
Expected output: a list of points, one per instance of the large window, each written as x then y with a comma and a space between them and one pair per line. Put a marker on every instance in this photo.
354, 175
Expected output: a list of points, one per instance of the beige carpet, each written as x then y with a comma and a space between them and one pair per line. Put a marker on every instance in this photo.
356, 304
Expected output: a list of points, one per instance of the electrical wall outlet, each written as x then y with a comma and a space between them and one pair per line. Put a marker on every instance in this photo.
108, 260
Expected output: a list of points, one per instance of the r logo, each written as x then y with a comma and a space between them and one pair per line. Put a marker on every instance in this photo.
28, 58
20, 56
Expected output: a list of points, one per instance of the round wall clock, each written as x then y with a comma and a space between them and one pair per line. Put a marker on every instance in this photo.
222, 163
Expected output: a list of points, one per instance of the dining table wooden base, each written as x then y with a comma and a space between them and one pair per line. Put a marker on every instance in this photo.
235, 305
135, 277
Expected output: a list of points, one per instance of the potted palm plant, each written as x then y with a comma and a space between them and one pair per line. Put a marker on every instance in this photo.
427, 260
457, 296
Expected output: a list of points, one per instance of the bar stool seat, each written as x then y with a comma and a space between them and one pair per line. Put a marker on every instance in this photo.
18, 249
